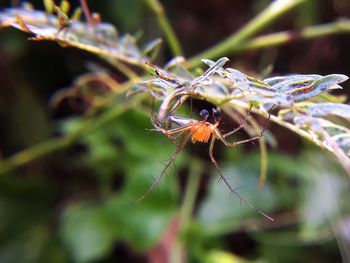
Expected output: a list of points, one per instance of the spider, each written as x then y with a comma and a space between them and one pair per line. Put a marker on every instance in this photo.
205, 132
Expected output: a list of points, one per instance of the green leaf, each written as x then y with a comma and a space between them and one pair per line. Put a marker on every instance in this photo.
77, 14
49, 6
65, 6
126, 146
214, 66
320, 85
88, 232
33, 245
151, 49
219, 256
101, 38
141, 225
325, 109
136, 89
221, 212
323, 192
127, 13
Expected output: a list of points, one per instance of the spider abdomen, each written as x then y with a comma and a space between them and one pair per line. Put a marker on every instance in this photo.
201, 132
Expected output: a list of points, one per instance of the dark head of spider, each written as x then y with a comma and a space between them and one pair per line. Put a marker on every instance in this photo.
215, 114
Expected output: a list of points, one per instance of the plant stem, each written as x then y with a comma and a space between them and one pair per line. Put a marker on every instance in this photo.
262, 143
331, 145
263, 153
276, 39
86, 11
271, 13
187, 208
124, 69
339, 153
31, 154
156, 7
191, 193
56, 144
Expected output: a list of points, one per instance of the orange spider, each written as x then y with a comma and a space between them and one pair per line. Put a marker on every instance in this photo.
202, 131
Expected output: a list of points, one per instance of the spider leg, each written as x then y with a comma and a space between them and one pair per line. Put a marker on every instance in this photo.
172, 159
177, 132
241, 125
178, 103
232, 190
234, 144
171, 132
211, 155
163, 110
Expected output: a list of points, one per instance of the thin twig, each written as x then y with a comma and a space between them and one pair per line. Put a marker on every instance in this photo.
87, 13
124, 69
191, 192
38, 151
187, 207
263, 154
332, 147
265, 18
276, 39
156, 7
56, 144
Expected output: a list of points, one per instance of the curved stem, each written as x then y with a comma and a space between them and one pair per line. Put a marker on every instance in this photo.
262, 142
280, 38
31, 154
156, 7
271, 13
187, 208
124, 69
53, 145
191, 193
86, 10
263, 154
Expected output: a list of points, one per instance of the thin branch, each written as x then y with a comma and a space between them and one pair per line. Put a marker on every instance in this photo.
31, 154
191, 193
156, 7
46, 148
124, 69
263, 154
339, 153
87, 13
334, 148
56, 144
187, 207
230, 111
339, 27
265, 18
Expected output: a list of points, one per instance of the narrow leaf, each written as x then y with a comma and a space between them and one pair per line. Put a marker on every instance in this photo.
49, 6
324, 109
65, 6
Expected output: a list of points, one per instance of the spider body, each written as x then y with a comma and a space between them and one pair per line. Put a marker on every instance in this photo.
202, 131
